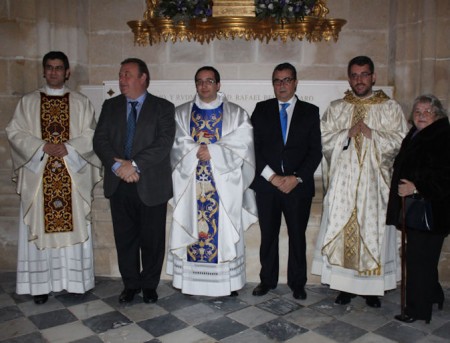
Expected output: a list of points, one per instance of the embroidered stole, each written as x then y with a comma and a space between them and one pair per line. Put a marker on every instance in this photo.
56, 181
206, 128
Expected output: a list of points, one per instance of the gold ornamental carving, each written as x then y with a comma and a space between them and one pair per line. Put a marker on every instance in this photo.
233, 19
233, 8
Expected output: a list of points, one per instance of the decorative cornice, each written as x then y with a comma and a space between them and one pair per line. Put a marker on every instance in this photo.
314, 28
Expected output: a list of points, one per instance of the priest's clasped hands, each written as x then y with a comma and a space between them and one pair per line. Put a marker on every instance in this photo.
360, 127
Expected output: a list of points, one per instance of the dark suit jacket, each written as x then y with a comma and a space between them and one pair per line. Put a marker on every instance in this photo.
155, 132
303, 150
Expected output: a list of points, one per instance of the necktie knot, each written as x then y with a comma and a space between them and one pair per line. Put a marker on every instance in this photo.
133, 108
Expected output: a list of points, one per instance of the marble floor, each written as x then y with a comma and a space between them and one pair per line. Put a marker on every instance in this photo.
276, 317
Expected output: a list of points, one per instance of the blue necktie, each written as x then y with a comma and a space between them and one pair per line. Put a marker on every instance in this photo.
131, 129
284, 120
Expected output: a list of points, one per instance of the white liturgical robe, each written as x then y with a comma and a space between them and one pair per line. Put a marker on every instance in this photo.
233, 169
53, 261
356, 251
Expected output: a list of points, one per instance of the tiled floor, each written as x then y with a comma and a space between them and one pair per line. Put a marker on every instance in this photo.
276, 317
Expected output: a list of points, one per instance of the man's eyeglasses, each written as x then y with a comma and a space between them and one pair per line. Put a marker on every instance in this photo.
363, 75
285, 81
48, 67
208, 82
425, 114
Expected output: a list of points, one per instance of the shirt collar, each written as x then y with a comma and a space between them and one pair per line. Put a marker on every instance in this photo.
55, 92
140, 99
291, 102
211, 105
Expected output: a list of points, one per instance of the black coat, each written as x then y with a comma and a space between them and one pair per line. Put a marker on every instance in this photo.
303, 150
425, 160
153, 140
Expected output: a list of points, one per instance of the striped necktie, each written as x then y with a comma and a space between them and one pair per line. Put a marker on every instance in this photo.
131, 129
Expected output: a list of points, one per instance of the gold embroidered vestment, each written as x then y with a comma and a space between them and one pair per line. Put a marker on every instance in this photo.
352, 239
56, 181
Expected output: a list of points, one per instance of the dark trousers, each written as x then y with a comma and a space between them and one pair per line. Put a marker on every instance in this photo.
296, 213
422, 279
139, 233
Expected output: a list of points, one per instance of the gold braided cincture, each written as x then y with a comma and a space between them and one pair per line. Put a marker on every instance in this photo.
226, 24
56, 181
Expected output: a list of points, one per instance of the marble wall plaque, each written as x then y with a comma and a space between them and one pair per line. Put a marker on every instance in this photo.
245, 93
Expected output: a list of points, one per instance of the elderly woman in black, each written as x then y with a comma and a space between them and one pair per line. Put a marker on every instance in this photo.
422, 167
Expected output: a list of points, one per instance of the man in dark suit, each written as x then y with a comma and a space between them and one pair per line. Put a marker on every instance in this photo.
288, 150
133, 139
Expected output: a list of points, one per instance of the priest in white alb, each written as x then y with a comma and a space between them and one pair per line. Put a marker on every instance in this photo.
55, 169
213, 165
356, 252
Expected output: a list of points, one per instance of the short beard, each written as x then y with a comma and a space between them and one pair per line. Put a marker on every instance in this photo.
362, 95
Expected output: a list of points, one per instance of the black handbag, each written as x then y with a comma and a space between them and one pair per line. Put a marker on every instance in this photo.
418, 213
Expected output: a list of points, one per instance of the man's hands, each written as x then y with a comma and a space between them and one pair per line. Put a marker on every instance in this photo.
126, 171
360, 127
203, 153
57, 150
284, 183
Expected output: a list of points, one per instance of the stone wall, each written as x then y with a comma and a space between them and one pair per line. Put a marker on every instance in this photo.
407, 39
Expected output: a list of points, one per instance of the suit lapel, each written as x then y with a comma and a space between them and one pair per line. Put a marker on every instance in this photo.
274, 111
294, 120
143, 115
122, 120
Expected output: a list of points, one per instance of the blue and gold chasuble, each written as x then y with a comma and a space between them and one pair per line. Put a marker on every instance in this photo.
206, 128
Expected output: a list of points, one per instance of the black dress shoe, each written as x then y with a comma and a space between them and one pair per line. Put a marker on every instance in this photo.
299, 294
149, 295
128, 294
344, 298
408, 319
405, 318
40, 299
234, 294
373, 301
261, 289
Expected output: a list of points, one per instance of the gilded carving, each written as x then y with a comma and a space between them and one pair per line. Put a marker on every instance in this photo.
230, 8
235, 19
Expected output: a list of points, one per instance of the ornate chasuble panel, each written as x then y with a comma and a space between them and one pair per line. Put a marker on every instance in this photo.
353, 244
206, 128
56, 181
